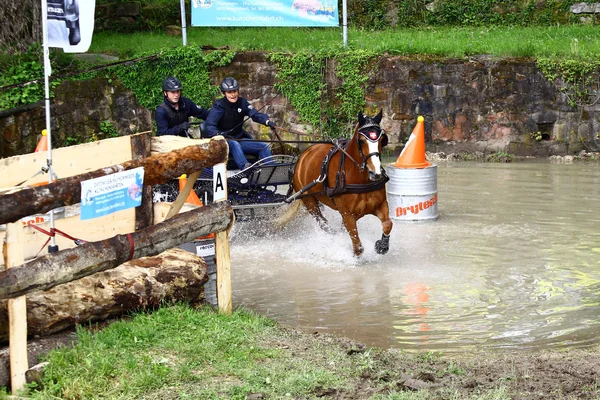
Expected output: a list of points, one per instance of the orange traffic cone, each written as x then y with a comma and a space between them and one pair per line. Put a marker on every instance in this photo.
413, 154
192, 197
43, 143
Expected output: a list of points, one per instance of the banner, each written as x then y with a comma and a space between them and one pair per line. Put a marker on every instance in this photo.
265, 13
71, 24
107, 194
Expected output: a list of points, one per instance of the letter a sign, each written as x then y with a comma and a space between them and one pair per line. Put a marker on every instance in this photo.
220, 182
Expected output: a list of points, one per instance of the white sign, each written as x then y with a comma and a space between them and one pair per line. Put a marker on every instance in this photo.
107, 194
205, 250
71, 24
219, 182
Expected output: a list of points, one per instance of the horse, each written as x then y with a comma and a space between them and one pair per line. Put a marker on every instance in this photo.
347, 177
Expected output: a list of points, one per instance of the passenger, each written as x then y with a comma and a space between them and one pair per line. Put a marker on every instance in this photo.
173, 113
226, 118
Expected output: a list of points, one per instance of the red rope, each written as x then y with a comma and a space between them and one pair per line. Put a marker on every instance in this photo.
52, 233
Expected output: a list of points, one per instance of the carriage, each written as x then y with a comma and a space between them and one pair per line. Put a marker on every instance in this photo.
254, 193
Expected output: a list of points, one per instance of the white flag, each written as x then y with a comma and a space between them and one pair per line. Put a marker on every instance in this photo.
71, 24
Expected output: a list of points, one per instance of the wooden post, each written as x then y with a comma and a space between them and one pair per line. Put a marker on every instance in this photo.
17, 311
140, 149
183, 194
222, 244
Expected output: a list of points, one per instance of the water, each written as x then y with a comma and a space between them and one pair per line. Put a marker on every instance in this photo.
513, 261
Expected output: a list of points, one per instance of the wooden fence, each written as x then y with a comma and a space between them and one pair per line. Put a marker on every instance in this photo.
111, 240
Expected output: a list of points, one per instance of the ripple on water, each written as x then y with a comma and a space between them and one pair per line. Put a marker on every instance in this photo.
513, 261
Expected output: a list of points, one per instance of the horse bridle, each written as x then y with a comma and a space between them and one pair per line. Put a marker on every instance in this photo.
373, 133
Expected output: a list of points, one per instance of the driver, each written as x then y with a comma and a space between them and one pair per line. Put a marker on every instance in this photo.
226, 118
173, 113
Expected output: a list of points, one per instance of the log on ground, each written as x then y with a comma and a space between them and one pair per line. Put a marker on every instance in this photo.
175, 274
67, 265
145, 283
159, 168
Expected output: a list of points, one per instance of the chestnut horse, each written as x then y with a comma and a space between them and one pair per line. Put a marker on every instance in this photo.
348, 178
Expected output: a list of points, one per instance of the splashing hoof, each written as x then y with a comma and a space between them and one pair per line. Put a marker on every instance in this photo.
382, 246
358, 250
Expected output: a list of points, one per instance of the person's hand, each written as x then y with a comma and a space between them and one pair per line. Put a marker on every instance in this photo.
270, 124
184, 126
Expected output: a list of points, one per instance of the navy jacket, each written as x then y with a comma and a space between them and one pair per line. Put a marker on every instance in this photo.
227, 118
169, 120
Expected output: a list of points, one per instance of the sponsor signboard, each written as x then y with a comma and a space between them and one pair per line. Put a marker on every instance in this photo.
265, 13
108, 194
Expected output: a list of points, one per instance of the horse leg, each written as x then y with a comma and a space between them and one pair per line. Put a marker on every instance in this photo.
350, 225
312, 205
383, 245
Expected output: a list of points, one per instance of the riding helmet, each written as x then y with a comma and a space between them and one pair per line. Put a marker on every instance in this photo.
228, 84
171, 84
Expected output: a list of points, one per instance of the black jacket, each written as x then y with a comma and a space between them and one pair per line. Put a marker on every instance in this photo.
227, 118
169, 120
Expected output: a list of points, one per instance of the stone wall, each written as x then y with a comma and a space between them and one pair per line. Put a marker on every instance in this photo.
477, 104
79, 111
481, 104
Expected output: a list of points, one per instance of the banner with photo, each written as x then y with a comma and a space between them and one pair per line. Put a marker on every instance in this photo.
108, 194
71, 24
295, 13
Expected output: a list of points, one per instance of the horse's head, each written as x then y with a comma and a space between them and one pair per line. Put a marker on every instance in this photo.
370, 139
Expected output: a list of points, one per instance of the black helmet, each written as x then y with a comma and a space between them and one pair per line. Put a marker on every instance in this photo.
228, 84
171, 83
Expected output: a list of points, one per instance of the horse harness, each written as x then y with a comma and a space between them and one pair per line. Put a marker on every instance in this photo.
372, 132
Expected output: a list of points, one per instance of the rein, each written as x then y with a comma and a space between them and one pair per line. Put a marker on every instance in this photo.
298, 133
284, 141
362, 166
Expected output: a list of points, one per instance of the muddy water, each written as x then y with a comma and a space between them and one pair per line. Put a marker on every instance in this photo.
513, 261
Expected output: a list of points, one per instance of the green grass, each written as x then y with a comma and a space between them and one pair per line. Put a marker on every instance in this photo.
180, 352
573, 41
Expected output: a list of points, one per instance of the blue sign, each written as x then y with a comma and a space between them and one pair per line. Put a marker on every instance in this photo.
265, 13
108, 194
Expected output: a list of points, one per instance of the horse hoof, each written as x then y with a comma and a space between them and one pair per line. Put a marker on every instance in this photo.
381, 247
358, 251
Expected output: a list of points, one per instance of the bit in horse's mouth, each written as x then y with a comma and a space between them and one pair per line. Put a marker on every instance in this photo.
373, 176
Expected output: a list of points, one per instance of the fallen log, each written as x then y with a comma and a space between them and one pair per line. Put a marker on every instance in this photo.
53, 269
174, 275
158, 168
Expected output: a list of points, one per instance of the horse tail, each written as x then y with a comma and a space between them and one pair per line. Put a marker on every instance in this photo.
289, 214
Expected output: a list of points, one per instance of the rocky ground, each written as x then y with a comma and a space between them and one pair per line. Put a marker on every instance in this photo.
506, 157
568, 374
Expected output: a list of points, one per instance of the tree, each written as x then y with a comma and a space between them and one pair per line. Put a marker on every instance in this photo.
21, 25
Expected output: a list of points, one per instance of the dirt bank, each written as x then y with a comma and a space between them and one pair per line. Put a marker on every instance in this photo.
568, 374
